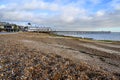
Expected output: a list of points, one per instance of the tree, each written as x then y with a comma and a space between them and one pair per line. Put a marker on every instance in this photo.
29, 23
2, 29
16, 28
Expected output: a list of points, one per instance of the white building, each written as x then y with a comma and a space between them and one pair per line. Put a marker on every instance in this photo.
39, 29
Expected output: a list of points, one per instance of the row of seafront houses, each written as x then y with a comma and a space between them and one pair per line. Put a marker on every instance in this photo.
15, 28
8, 27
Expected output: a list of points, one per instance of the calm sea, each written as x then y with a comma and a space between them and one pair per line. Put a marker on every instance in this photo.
114, 36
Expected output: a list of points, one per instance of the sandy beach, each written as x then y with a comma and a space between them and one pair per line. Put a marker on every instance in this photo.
41, 56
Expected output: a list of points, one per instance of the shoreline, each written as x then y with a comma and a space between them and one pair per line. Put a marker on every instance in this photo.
84, 38
61, 55
90, 37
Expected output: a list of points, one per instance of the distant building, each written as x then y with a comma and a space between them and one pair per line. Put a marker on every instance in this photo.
8, 27
2, 26
39, 29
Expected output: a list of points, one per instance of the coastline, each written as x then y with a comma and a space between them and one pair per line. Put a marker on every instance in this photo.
91, 39
61, 55
112, 36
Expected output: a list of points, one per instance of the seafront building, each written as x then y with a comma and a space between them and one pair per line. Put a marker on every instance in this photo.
39, 29
4, 26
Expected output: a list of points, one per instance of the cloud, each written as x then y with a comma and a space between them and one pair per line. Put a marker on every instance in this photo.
70, 13
100, 13
2, 6
41, 5
65, 15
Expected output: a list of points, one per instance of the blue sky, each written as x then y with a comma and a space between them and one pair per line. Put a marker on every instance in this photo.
88, 15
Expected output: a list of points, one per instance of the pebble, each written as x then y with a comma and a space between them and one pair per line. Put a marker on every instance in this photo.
22, 63
0, 67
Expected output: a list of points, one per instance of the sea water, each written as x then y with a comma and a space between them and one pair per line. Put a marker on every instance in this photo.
114, 36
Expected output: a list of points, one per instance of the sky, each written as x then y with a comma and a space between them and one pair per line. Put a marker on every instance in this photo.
77, 15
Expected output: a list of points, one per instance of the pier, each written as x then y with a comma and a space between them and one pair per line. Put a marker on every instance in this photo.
81, 32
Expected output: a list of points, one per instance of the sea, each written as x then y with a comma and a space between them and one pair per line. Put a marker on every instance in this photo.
113, 36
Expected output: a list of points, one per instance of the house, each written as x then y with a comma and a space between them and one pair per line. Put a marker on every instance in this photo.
1, 27
8, 27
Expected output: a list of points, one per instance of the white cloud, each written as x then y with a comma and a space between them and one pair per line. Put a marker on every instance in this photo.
70, 13
40, 5
71, 16
17, 15
100, 13
2, 6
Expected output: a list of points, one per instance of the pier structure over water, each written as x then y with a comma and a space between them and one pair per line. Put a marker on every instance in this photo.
82, 32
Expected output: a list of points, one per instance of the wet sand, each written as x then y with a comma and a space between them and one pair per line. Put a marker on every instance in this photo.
41, 56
